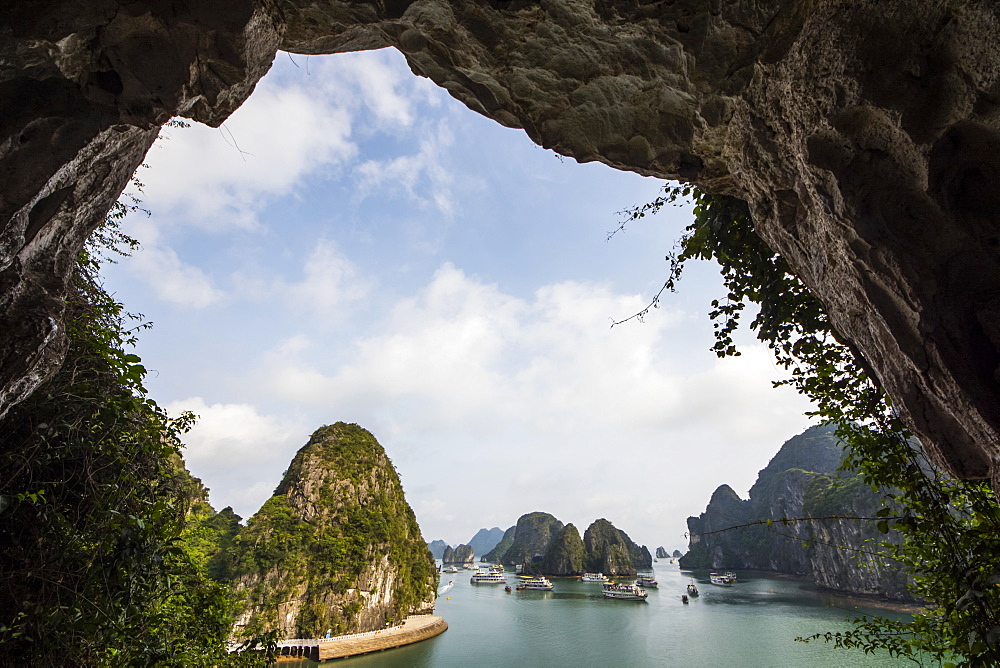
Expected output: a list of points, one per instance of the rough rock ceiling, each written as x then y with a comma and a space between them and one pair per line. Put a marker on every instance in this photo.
864, 134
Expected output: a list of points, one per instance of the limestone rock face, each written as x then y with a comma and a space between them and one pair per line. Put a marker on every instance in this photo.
437, 548
500, 549
486, 539
337, 547
865, 137
533, 534
462, 554
800, 481
612, 552
661, 553
567, 554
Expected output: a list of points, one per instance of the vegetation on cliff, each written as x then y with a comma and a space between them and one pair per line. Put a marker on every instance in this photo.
496, 555
800, 481
950, 529
611, 551
92, 569
533, 534
337, 525
540, 544
566, 555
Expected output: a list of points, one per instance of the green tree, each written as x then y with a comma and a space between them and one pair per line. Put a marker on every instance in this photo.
951, 542
92, 570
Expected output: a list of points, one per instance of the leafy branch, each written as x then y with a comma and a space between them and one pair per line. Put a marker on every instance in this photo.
950, 529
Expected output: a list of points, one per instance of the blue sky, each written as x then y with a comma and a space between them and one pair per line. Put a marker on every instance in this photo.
354, 245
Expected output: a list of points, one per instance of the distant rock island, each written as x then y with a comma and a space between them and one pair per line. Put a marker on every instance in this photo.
463, 554
801, 480
484, 541
437, 548
541, 544
661, 552
335, 548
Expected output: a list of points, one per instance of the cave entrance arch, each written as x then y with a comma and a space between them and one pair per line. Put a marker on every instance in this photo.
858, 134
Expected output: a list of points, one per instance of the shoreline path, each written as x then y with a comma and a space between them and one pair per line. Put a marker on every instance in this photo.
414, 629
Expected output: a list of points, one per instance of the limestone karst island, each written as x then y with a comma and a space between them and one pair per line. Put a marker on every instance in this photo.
680, 320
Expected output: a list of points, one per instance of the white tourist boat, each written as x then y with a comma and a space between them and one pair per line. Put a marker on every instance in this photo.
490, 576
624, 592
535, 583
595, 577
449, 569
721, 579
646, 582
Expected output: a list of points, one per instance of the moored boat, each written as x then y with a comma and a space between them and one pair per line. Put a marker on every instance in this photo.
538, 582
488, 577
595, 577
646, 582
449, 569
624, 592
722, 579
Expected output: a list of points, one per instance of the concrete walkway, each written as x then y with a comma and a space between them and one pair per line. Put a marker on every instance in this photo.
414, 629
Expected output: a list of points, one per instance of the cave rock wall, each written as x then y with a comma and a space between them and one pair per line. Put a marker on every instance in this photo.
864, 135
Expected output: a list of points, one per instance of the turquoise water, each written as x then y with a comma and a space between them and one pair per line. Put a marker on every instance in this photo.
753, 623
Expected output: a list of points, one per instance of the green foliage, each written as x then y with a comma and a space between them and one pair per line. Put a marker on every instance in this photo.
566, 555
607, 549
499, 553
951, 542
283, 556
92, 571
93, 498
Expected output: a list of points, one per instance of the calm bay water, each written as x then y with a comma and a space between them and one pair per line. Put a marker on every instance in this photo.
753, 623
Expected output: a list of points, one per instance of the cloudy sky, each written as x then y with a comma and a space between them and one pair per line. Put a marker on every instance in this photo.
354, 245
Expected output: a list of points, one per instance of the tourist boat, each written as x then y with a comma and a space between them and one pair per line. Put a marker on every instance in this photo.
624, 592
450, 569
488, 577
722, 580
646, 582
594, 577
692, 590
731, 575
535, 583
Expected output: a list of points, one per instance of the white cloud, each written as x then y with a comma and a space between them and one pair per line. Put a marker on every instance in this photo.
420, 177
462, 372
171, 279
238, 452
329, 280
373, 82
218, 178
